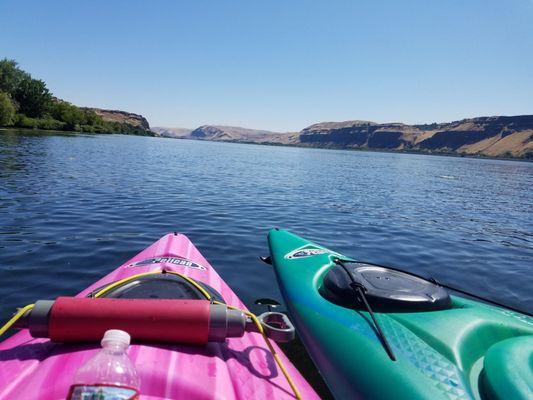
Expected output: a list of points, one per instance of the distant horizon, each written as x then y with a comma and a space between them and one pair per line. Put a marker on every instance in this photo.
279, 66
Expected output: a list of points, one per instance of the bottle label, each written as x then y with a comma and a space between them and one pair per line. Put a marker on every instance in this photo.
102, 392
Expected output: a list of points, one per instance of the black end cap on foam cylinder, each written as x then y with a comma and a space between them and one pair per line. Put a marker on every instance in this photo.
37, 320
224, 323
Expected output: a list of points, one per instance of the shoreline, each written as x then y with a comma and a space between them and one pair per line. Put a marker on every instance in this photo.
153, 134
53, 131
413, 152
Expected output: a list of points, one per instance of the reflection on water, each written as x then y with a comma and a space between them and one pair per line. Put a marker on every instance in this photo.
74, 207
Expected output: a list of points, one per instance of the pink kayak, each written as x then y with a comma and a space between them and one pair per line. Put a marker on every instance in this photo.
238, 367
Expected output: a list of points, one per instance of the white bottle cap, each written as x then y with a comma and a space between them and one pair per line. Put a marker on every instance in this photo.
116, 335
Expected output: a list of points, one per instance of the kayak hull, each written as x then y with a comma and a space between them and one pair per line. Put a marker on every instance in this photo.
440, 354
240, 368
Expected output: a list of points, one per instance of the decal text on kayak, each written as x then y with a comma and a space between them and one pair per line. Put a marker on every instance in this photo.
169, 260
306, 251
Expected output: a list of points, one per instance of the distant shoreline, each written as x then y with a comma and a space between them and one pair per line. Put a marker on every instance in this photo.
413, 152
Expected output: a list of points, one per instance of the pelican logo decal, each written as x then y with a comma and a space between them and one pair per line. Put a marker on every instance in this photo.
169, 260
306, 251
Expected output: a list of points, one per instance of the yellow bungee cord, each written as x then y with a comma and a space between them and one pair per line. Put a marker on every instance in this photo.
15, 318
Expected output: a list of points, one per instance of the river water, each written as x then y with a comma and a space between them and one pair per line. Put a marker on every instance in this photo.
74, 207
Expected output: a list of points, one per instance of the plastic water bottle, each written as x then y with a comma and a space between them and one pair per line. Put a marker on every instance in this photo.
109, 374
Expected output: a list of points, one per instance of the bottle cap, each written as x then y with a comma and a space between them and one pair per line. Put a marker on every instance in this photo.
116, 335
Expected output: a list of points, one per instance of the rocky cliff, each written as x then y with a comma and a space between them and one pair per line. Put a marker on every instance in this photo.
123, 117
488, 136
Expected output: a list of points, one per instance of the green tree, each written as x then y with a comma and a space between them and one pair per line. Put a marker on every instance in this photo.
7, 110
92, 118
11, 76
33, 97
73, 116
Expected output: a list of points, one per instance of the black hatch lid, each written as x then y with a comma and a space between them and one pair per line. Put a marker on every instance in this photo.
387, 290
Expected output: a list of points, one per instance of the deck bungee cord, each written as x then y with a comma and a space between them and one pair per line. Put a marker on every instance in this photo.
255, 320
359, 291
18, 315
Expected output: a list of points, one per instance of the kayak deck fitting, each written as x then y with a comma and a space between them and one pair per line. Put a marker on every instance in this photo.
171, 271
445, 346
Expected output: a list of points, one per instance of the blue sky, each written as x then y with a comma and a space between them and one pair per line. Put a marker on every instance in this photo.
279, 64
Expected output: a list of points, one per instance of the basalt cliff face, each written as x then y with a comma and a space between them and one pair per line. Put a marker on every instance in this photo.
123, 117
487, 136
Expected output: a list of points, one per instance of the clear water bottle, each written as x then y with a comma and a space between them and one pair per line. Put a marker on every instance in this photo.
109, 374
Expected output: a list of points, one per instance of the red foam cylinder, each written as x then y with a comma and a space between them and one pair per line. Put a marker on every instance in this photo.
86, 319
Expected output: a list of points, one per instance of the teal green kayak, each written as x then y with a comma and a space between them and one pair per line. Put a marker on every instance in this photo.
380, 333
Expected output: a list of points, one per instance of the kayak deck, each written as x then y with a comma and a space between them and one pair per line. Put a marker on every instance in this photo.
240, 368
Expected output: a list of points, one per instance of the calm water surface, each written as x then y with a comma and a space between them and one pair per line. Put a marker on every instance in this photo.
72, 208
